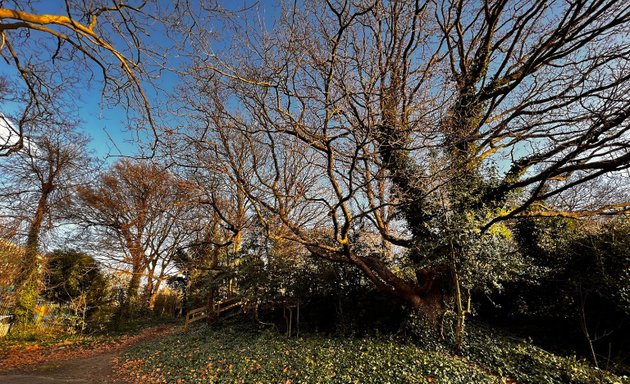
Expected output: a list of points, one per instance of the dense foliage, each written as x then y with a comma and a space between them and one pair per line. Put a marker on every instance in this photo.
578, 296
73, 275
74, 280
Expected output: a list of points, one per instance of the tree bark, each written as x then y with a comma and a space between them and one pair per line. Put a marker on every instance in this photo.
427, 295
153, 294
29, 283
132, 290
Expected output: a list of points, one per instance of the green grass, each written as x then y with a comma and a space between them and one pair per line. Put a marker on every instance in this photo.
137, 324
238, 355
42, 335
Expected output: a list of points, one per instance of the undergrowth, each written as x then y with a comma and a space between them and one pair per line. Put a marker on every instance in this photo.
240, 355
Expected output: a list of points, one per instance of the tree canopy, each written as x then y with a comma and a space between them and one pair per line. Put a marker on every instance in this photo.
404, 138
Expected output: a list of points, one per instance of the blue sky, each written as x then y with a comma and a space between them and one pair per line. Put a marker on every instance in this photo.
105, 126
108, 125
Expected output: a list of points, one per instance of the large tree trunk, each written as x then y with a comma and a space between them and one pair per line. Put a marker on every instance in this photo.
153, 294
430, 294
427, 295
132, 290
150, 290
137, 268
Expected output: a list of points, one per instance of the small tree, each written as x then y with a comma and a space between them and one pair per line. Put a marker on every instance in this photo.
10, 266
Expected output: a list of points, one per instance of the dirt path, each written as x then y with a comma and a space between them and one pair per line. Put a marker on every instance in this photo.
96, 367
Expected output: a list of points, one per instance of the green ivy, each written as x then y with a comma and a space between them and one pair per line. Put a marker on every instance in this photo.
526, 363
236, 356
239, 355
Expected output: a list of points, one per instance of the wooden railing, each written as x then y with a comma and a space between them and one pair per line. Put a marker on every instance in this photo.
225, 305
217, 309
195, 315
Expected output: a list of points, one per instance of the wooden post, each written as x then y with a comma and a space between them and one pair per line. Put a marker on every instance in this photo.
290, 322
298, 320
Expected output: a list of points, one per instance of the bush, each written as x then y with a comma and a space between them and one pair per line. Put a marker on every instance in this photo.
526, 363
584, 287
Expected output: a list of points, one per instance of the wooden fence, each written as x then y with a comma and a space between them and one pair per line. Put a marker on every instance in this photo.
213, 311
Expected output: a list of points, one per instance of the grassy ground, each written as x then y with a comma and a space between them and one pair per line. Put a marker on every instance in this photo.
239, 355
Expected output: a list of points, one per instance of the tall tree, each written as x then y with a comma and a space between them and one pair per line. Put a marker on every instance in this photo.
36, 187
429, 124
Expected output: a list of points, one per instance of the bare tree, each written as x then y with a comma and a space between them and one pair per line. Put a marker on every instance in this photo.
429, 124
54, 55
140, 210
